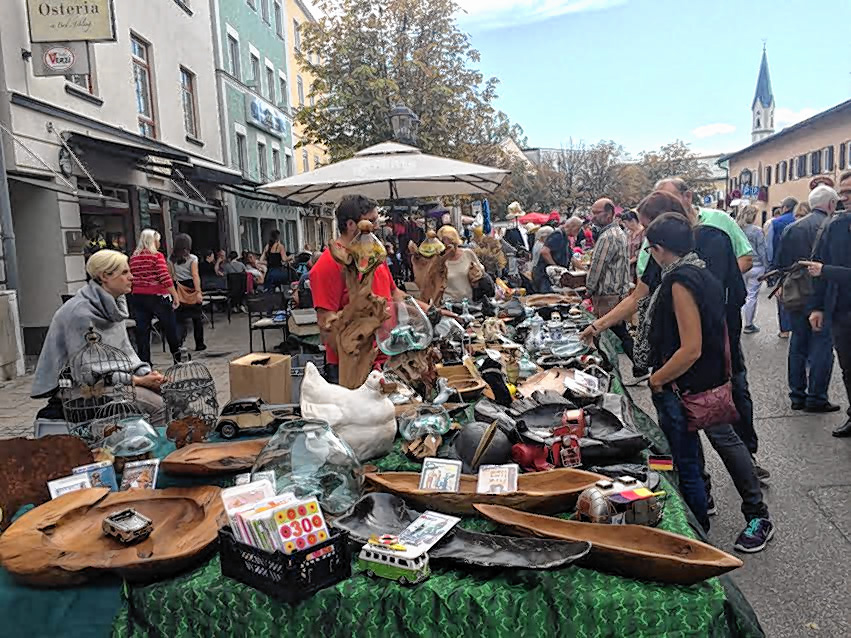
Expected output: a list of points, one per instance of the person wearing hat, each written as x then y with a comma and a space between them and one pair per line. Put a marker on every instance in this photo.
517, 236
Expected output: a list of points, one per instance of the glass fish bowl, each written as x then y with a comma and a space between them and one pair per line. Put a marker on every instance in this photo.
422, 421
367, 251
309, 459
431, 246
407, 328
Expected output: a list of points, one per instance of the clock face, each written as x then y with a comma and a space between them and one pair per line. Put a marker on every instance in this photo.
66, 162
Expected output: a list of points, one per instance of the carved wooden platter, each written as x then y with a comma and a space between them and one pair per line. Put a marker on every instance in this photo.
205, 459
62, 542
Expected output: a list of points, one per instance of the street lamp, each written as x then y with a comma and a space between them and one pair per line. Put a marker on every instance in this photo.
405, 124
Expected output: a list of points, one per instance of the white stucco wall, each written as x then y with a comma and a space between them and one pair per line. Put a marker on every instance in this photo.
176, 39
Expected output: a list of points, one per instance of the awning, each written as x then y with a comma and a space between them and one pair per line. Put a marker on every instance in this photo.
121, 149
204, 171
183, 198
41, 183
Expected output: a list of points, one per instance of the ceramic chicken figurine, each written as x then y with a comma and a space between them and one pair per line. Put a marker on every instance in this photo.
364, 417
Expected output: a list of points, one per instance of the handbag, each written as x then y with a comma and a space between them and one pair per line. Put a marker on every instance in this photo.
188, 296
796, 290
714, 406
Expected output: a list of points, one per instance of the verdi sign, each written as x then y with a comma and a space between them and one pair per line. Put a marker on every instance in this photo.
71, 20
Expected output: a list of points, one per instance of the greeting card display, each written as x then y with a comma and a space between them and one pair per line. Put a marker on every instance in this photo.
140, 475
497, 479
100, 474
60, 486
440, 475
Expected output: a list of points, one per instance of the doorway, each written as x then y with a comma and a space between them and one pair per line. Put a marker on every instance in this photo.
204, 234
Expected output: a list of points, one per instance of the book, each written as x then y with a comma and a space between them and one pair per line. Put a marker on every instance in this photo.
100, 474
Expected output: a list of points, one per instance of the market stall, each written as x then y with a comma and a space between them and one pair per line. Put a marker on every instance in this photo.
491, 478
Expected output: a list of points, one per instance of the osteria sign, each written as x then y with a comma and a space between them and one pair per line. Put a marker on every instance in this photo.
71, 20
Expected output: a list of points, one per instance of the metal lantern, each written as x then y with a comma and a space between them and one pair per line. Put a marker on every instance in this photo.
405, 124
189, 395
95, 376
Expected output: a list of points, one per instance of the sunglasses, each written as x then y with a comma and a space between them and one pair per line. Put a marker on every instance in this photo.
650, 247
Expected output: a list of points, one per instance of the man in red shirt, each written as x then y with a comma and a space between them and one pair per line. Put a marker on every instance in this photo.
327, 282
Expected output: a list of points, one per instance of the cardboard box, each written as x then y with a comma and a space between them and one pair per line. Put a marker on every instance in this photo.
261, 375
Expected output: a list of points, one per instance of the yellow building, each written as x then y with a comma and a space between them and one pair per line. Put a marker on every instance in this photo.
311, 156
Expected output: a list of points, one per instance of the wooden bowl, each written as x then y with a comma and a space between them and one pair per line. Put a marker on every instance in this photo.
62, 542
205, 459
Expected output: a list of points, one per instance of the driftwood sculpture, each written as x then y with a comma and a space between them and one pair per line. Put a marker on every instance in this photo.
203, 459
62, 542
430, 271
417, 369
26, 465
352, 329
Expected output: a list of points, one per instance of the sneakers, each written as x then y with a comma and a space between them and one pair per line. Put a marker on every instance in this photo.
749, 330
711, 508
755, 536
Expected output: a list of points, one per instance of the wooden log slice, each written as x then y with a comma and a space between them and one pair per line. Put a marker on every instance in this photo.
62, 542
205, 459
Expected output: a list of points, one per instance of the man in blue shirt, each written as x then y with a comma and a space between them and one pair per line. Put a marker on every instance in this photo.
772, 243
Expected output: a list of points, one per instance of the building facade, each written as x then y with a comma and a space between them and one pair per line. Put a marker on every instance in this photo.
96, 157
256, 122
785, 163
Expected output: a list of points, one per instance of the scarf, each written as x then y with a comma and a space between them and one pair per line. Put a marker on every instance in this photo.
647, 306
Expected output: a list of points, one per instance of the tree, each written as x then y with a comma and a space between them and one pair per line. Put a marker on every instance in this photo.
598, 172
677, 160
369, 55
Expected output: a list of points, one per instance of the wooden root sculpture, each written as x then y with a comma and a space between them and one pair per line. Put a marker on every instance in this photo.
352, 329
417, 369
430, 274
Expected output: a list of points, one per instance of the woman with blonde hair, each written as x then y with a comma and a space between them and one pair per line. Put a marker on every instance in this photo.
463, 267
154, 294
100, 304
802, 210
746, 218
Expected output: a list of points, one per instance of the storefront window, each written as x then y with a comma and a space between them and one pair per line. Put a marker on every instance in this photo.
267, 225
291, 229
249, 234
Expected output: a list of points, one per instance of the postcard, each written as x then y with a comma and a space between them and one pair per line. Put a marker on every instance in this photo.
100, 474
60, 486
497, 479
440, 475
425, 532
140, 475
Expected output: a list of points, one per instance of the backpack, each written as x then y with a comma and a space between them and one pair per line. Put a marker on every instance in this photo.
797, 288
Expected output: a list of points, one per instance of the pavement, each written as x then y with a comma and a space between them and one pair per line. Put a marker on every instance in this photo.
800, 586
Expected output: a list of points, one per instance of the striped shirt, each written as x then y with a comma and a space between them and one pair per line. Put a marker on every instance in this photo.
609, 270
150, 274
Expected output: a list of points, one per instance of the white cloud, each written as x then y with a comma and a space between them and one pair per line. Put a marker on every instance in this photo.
711, 130
784, 117
494, 14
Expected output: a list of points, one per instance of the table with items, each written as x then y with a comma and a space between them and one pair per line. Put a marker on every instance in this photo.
494, 477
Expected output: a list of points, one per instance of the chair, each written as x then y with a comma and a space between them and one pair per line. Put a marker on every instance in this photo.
212, 297
237, 284
261, 311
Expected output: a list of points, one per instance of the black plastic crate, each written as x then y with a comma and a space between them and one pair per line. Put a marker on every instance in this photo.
287, 577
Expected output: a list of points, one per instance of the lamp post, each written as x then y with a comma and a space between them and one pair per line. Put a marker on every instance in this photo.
405, 124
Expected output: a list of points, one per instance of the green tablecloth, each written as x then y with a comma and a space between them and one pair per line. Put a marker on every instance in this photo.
453, 602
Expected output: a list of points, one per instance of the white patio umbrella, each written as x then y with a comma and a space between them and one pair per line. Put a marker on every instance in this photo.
389, 171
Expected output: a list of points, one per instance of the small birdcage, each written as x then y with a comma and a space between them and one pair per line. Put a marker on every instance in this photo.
95, 376
189, 394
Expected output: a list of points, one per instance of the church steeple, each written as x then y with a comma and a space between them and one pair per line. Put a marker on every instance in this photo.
762, 107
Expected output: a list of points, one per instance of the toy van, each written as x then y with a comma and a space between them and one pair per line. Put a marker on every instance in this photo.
387, 563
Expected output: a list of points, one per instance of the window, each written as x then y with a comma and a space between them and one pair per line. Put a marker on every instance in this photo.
190, 112
264, 10
233, 53
249, 234
782, 173
270, 83
290, 166
305, 163
279, 19
768, 176
240, 152
144, 86
827, 160
84, 81
815, 162
255, 73
282, 81
316, 162
802, 166
262, 167
296, 36
842, 156
276, 163
299, 84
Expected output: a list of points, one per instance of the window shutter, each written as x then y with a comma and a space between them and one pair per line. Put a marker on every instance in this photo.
842, 156
829, 166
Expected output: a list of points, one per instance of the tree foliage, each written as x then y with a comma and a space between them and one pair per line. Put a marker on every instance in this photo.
369, 55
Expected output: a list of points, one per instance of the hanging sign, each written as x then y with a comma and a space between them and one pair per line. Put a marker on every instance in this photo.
71, 20
264, 116
60, 58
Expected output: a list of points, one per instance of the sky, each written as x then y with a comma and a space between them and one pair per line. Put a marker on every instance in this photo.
647, 72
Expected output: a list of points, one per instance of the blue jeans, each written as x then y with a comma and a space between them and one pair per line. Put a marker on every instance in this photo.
784, 319
744, 405
810, 362
739, 464
685, 448
275, 277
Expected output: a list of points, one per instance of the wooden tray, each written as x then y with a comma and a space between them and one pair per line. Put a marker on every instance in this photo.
634, 551
460, 378
550, 299
551, 491
62, 542
205, 459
